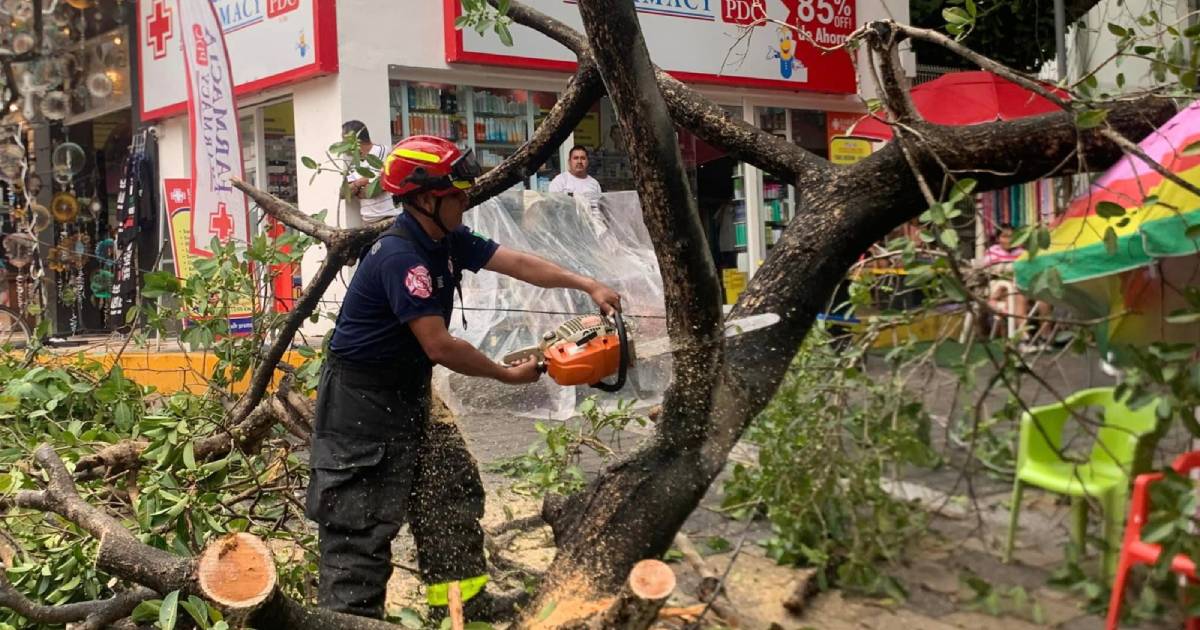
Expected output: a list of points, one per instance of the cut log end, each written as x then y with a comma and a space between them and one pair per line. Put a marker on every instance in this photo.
237, 572
652, 580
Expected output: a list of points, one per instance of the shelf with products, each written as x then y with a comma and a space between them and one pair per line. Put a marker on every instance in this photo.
501, 118
427, 109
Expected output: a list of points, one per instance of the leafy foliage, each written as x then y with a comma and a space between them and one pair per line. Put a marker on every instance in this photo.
825, 444
552, 465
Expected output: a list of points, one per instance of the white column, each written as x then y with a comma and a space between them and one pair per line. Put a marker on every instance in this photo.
755, 246
321, 106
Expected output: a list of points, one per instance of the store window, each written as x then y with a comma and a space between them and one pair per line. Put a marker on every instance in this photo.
101, 65
601, 135
810, 130
493, 122
542, 103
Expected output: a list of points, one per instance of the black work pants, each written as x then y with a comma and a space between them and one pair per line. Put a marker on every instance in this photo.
378, 460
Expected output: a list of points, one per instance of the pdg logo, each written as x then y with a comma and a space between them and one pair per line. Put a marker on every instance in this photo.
279, 7
743, 12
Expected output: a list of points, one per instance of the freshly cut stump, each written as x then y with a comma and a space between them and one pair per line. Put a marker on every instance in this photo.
237, 572
650, 583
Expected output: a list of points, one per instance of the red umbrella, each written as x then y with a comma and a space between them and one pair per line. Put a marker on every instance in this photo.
965, 98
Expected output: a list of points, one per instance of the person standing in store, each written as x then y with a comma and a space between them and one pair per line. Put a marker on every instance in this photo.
378, 459
577, 183
576, 180
380, 205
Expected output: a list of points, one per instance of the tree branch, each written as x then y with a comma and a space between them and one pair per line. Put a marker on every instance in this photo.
525, 15
983, 62
124, 556
94, 614
1137, 151
885, 42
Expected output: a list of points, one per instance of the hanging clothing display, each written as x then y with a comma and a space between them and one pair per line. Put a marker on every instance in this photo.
137, 211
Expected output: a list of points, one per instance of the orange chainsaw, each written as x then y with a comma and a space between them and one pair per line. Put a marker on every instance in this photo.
586, 350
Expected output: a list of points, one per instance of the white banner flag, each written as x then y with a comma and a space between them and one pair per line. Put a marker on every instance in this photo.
219, 210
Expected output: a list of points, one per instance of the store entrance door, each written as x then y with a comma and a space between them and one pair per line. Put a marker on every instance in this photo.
269, 160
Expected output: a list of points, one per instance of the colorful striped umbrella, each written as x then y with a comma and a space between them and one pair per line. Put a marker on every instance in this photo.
1136, 273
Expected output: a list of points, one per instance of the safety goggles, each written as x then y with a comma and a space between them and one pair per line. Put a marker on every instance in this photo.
465, 170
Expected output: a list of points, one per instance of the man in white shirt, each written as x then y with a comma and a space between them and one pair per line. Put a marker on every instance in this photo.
576, 180
381, 205
577, 183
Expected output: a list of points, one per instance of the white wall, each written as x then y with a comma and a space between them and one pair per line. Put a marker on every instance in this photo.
1091, 43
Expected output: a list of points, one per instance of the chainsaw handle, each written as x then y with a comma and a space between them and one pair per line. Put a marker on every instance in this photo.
624, 365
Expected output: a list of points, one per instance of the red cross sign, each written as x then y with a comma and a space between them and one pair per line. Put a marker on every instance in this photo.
221, 223
159, 28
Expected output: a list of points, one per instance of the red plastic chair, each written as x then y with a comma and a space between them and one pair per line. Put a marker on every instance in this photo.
1135, 551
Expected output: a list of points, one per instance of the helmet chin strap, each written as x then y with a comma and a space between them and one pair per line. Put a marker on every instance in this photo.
435, 216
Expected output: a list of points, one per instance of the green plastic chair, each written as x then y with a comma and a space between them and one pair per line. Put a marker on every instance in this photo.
1105, 476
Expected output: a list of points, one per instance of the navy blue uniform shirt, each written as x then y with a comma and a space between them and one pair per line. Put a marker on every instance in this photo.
397, 281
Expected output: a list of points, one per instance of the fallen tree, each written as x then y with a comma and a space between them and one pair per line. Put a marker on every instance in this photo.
634, 508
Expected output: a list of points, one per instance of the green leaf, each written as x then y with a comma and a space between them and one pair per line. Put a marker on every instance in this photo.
506, 37
1188, 79
1109, 210
308, 162
1091, 118
1191, 149
123, 415
1117, 30
718, 544
147, 611
955, 15
159, 283
1110, 240
547, 610
196, 609
1157, 531
949, 238
409, 618
169, 611
459, 23
373, 161
189, 456
502, 7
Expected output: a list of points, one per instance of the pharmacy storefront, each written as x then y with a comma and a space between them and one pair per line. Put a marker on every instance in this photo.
402, 68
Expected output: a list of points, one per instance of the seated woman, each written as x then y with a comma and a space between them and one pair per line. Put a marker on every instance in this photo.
1003, 297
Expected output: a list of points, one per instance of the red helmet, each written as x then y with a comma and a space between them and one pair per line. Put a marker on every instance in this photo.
430, 163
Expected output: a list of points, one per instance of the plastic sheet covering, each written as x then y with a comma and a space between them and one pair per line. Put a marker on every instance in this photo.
607, 241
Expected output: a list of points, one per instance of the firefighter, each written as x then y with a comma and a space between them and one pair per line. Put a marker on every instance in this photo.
378, 459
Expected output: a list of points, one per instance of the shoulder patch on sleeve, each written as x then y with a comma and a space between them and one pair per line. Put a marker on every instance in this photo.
418, 282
